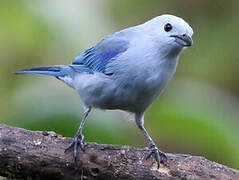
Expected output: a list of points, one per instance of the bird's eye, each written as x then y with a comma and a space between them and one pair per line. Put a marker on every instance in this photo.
168, 27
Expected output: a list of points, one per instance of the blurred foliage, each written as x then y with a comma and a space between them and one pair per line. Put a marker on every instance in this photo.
198, 112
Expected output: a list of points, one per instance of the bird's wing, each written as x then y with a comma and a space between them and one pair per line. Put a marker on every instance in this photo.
97, 57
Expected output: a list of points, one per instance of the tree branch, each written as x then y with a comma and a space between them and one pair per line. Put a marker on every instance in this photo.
28, 154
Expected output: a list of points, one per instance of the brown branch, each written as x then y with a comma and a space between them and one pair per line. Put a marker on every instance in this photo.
28, 154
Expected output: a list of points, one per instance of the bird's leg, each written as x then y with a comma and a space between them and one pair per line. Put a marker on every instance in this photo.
159, 155
79, 138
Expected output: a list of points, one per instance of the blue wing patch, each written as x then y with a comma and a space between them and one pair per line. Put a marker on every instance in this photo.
97, 57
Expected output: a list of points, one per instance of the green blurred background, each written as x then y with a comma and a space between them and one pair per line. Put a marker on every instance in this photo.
197, 114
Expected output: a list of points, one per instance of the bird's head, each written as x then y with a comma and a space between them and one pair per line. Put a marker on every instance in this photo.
170, 32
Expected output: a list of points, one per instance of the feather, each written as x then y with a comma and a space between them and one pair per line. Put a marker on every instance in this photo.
97, 57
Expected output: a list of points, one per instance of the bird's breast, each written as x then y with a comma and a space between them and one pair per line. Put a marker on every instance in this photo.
139, 88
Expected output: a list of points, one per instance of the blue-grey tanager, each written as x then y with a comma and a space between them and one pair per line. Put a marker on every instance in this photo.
126, 70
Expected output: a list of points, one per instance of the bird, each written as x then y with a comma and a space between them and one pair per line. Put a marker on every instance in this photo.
127, 71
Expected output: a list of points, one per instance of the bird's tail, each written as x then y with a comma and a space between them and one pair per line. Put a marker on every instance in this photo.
57, 71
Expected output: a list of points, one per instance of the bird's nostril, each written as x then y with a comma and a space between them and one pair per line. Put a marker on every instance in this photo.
184, 35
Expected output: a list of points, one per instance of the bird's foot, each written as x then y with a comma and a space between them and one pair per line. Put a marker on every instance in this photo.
159, 156
78, 140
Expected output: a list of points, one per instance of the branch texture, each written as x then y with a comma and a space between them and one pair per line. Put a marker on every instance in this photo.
28, 154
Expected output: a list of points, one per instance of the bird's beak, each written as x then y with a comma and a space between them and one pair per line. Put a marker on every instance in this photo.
183, 40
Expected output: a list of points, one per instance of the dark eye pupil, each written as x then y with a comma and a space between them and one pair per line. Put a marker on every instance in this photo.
168, 27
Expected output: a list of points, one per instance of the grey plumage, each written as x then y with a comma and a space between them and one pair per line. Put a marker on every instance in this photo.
127, 70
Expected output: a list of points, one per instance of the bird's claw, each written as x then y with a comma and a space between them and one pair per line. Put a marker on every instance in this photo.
78, 140
159, 156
